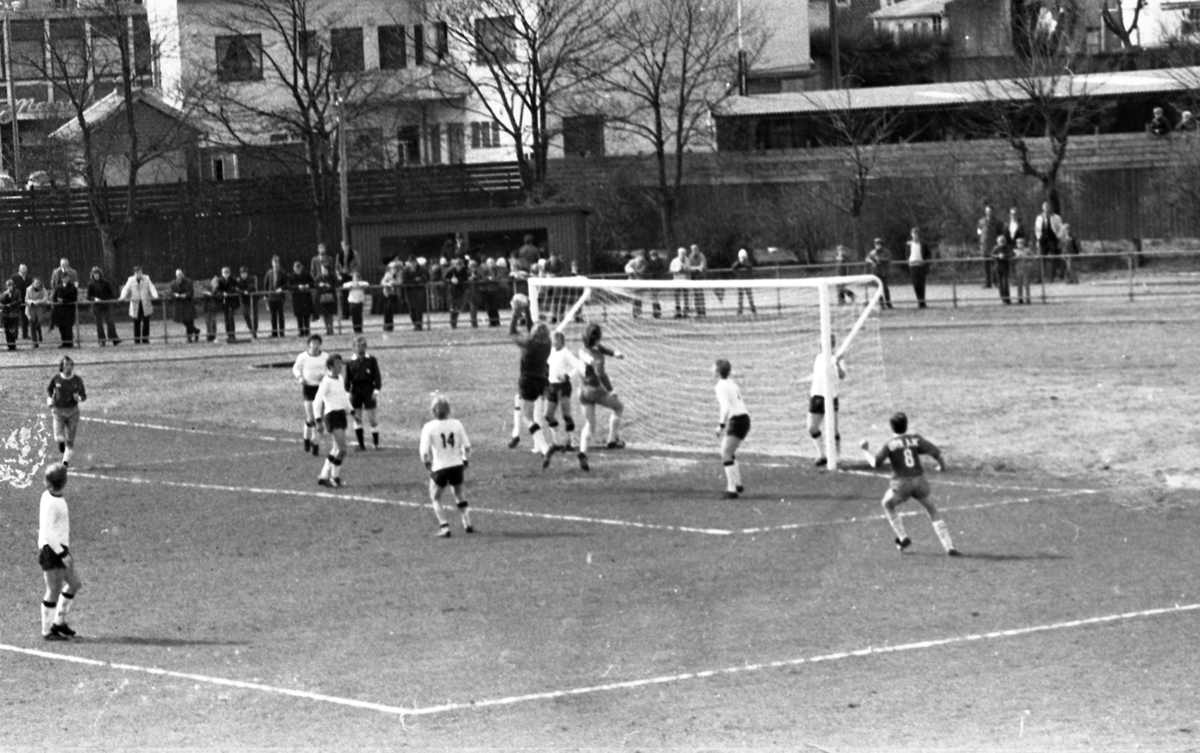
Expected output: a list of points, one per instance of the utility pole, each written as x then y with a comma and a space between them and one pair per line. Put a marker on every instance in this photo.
12, 100
343, 178
835, 54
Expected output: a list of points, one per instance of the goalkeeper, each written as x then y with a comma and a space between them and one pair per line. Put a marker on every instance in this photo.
598, 390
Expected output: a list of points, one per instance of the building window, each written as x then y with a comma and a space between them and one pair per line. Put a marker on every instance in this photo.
143, 47
346, 50
435, 144
418, 45
409, 142
441, 40
239, 57
224, 167
1191, 22
495, 40
485, 134
28, 49
68, 48
393, 54
307, 44
937, 25
583, 136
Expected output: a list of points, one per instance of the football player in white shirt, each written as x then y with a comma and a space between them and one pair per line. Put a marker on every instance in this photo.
309, 370
733, 425
54, 555
563, 364
331, 406
445, 451
816, 400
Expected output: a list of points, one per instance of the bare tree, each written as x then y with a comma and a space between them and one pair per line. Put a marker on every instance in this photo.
520, 60
666, 65
102, 56
288, 70
1114, 21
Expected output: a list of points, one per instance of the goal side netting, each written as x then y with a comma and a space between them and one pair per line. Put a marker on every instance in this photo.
771, 331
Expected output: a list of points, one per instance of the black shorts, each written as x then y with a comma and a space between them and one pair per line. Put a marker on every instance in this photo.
530, 388
335, 419
443, 476
50, 560
555, 390
362, 400
738, 426
816, 405
309, 391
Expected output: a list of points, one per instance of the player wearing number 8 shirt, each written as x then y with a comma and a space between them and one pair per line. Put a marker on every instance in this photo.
904, 451
445, 451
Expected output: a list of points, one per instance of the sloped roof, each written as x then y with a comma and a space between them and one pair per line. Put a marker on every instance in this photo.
955, 93
113, 103
910, 9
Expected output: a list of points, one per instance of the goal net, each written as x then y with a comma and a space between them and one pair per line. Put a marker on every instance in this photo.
771, 331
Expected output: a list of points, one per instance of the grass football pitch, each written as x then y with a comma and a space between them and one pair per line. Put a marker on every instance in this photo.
231, 603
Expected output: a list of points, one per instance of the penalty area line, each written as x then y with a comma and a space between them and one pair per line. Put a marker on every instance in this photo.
403, 503
606, 687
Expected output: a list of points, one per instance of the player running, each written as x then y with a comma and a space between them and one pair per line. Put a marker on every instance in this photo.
445, 450
535, 353
309, 370
563, 364
904, 452
363, 380
331, 406
598, 390
64, 395
733, 425
54, 555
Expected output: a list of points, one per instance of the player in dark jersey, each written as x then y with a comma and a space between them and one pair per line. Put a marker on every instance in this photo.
904, 452
363, 382
535, 348
64, 395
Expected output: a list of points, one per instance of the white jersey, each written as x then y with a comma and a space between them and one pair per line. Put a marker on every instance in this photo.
729, 397
331, 396
563, 364
444, 443
820, 378
54, 524
310, 369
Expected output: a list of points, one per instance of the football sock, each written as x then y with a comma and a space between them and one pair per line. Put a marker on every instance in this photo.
336, 465
585, 438
465, 512
943, 534
737, 475
358, 434
48, 608
569, 423
326, 469
309, 431
614, 428
539, 439
897, 524
730, 473
64, 604
62, 447
517, 419
375, 438
816, 438
68, 454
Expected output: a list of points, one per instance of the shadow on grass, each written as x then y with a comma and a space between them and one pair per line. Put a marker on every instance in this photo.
529, 535
986, 557
134, 640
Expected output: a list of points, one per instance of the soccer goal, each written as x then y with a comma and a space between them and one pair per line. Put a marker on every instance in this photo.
772, 331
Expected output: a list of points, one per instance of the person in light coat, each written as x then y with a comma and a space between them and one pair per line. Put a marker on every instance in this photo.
141, 294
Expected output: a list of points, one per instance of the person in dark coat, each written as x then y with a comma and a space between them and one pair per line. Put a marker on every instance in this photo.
328, 285
65, 297
10, 312
302, 285
22, 281
248, 293
275, 283
183, 293
229, 293
416, 281
100, 291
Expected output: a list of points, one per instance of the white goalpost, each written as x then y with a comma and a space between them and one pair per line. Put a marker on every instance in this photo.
771, 330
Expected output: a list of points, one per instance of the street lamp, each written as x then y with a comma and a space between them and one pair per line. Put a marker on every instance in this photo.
343, 179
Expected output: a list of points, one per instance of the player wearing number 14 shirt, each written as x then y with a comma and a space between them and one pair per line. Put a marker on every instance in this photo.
445, 451
904, 451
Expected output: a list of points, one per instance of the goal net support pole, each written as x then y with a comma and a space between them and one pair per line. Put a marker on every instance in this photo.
771, 330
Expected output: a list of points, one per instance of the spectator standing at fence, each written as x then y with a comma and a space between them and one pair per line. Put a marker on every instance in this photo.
635, 269
356, 298
22, 281
1159, 125
1023, 270
1187, 123
248, 296
416, 281
391, 294
698, 263
743, 269
302, 284
275, 283
1046, 229
486, 285
183, 294
1003, 254
471, 289
1070, 249
456, 288
327, 287
842, 269
62, 272
987, 230
65, 297
656, 269
10, 312
212, 308
37, 309
316, 265
681, 269
1014, 228
141, 294
100, 291
878, 261
230, 296
918, 265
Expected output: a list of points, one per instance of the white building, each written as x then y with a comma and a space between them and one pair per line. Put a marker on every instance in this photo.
911, 18
1161, 21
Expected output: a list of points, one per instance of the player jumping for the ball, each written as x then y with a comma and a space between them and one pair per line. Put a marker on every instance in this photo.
732, 427
598, 390
535, 354
904, 452
445, 450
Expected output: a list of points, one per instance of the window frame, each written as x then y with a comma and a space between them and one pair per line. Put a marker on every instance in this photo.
394, 35
253, 46
356, 62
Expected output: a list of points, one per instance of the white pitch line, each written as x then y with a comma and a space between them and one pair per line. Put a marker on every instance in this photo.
160, 427
402, 503
607, 687
863, 518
